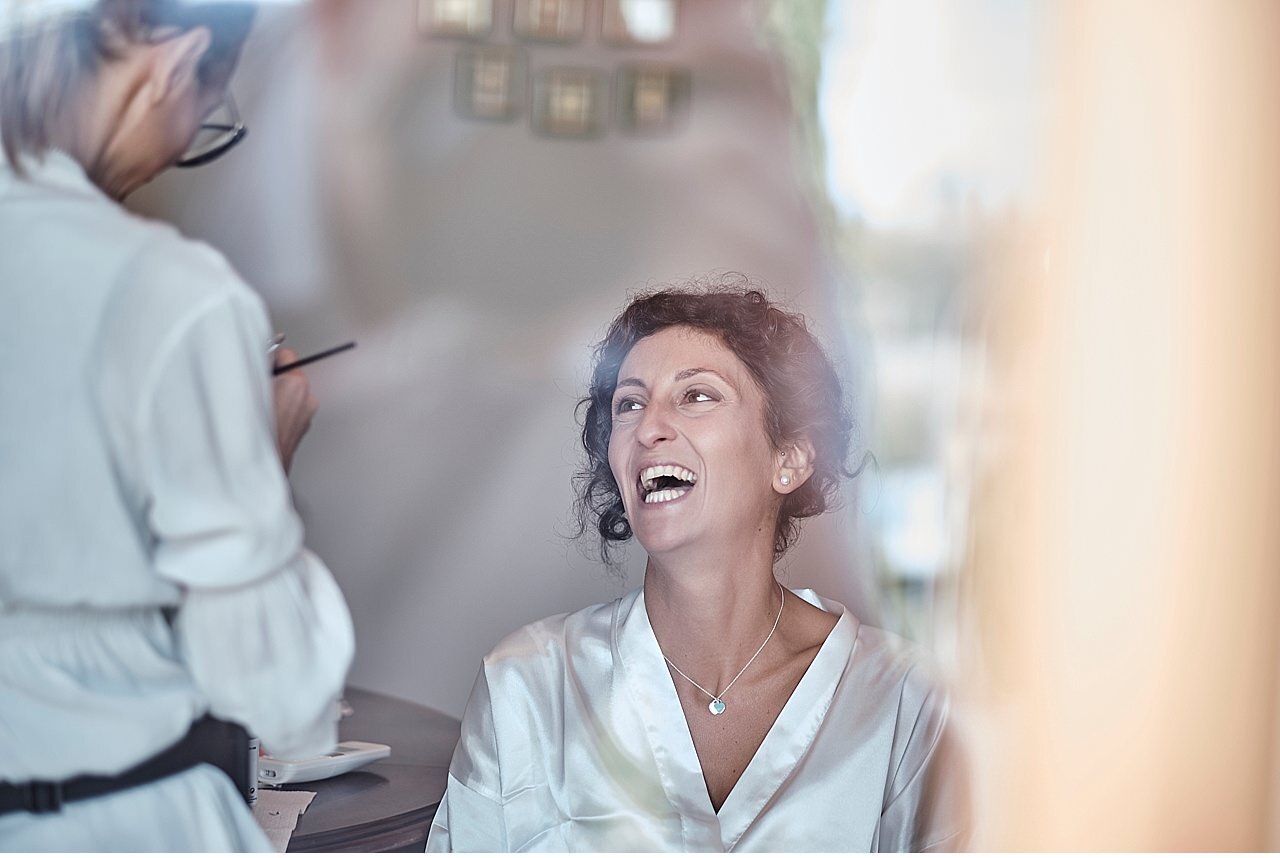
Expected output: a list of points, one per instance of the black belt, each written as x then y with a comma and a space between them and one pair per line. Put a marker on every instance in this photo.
209, 740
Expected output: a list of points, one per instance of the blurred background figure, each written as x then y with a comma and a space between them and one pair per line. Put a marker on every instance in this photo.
1033, 255
157, 604
1125, 574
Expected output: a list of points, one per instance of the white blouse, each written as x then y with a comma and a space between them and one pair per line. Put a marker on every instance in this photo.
139, 477
574, 740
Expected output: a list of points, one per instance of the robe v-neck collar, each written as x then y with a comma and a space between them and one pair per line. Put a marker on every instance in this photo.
635, 650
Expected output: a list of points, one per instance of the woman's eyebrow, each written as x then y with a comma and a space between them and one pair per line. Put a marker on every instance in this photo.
698, 370
629, 382
632, 381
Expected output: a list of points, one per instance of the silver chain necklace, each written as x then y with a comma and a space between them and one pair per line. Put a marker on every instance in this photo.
716, 706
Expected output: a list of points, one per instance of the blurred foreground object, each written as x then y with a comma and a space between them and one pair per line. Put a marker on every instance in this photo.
1124, 577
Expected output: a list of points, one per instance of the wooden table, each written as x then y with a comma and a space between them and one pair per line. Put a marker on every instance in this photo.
388, 805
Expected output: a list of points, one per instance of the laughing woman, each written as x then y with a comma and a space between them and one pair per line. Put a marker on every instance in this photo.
713, 709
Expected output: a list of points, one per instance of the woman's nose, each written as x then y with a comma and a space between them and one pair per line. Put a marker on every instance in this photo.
655, 425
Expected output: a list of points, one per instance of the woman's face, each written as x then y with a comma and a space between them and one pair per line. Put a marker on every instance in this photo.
689, 449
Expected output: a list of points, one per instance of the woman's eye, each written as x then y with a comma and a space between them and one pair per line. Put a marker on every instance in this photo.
625, 405
699, 396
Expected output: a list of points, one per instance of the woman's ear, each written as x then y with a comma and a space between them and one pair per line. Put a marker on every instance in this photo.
794, 465
176, 61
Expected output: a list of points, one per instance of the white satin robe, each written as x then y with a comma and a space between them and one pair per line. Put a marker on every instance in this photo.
574, 740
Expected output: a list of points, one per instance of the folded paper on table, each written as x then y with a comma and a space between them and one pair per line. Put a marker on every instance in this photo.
277, 811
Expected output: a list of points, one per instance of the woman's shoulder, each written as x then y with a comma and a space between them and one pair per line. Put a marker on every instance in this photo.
879, 659
175, 302
899, 668
556, 642
135, 258
170, 268
169, 291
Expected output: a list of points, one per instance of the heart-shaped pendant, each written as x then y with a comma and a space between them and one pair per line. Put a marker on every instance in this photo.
716, 706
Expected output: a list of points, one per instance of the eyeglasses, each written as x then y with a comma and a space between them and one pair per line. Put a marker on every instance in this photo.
215, 139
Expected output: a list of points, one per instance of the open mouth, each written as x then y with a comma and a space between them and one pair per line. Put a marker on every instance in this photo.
664, 483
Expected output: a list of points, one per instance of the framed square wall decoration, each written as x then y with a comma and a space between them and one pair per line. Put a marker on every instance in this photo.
489, 82
652, 99
470, 19
549, 20
569, 102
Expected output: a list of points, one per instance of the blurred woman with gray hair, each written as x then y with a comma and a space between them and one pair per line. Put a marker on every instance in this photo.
154, 588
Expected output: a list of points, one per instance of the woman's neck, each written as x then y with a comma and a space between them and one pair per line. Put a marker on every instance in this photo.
711, 611
89, 130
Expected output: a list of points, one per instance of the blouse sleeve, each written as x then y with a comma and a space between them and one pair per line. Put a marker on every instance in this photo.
262, 626
927, 809
471, 816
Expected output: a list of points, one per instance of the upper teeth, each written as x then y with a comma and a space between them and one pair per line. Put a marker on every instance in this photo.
648, 475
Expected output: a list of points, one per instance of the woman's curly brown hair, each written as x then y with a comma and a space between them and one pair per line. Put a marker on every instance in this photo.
803, 395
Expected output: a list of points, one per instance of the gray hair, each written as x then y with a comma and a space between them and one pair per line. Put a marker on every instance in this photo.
48, 51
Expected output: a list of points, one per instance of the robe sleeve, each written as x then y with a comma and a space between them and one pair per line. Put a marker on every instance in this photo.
927, 805
471, 816
262, 626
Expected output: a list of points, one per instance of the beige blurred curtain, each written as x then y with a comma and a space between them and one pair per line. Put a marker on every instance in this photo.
1125, 582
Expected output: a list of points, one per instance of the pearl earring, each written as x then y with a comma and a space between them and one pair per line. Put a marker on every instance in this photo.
785, 479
